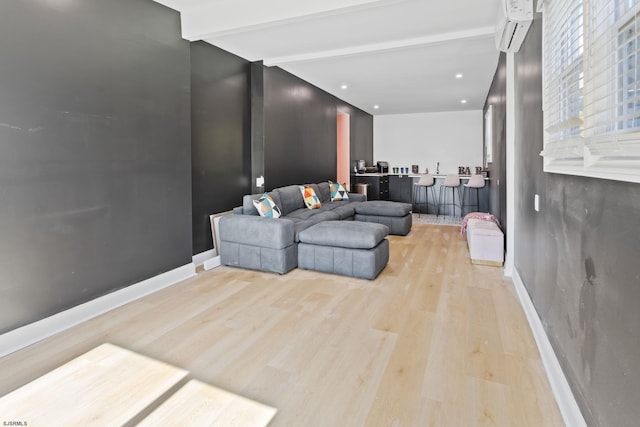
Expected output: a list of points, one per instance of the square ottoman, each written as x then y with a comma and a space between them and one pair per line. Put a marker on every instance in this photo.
356, 249
395, 215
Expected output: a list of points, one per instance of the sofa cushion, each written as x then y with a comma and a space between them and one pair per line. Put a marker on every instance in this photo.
290, 198
304, 213
247, 204
338, 192
310, 198
266, 207
344, 234
324, 192
248, 208
357, 197
316, 189
383, 208
313, 220
344, 210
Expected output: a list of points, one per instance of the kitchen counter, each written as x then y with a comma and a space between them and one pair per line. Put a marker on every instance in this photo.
399, 188
411, 175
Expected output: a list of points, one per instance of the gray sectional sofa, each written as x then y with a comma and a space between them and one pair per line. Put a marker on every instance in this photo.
268, 244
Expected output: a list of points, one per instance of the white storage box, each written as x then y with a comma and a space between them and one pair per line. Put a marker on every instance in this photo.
486, 242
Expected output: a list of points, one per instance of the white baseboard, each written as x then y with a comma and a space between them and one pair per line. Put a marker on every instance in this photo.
202, 257
212, 263
508, 265
29, 334
559, 386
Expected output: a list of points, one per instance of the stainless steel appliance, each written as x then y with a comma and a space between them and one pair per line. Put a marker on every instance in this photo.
383, 167
361, 165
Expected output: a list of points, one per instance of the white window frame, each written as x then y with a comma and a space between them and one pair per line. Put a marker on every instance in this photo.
599, 149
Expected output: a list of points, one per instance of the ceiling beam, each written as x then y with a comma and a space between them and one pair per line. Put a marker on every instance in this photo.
474, 33
209, 20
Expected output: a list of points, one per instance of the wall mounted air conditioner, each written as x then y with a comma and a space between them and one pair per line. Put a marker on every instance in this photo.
514, 20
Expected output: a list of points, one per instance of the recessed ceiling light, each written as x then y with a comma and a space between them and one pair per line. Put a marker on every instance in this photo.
375, 107
343, 87
459, 76
463, 101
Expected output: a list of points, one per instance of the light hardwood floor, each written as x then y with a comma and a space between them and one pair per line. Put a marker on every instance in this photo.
433, 341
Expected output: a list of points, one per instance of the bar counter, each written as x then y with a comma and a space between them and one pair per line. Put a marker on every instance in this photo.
399, 188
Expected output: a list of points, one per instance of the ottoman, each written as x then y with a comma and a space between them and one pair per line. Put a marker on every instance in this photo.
350, 248
395, 215
486, 242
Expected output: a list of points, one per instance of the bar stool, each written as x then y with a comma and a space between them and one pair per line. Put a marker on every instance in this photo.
451, 181
426, 181
476, 182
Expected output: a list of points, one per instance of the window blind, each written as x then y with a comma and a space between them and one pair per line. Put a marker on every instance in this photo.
591, 85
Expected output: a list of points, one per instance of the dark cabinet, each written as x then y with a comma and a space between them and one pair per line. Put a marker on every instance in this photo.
400, 188
378, 188
384, 187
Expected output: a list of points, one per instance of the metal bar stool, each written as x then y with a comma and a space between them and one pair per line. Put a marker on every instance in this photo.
426, 181
476, 182
451, 181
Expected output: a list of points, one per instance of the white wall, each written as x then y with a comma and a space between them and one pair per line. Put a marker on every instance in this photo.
451, 138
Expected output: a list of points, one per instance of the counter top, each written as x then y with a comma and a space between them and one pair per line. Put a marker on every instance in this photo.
410, 175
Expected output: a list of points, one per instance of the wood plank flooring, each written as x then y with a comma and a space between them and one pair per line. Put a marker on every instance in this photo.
433, 341
123, 382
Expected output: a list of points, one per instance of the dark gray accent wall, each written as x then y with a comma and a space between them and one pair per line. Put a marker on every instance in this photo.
497, 98
221, 136
95, 187
249, 120
579, 260
257, 124
300, 130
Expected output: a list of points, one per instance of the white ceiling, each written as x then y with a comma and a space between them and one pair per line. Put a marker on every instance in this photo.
402, 55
